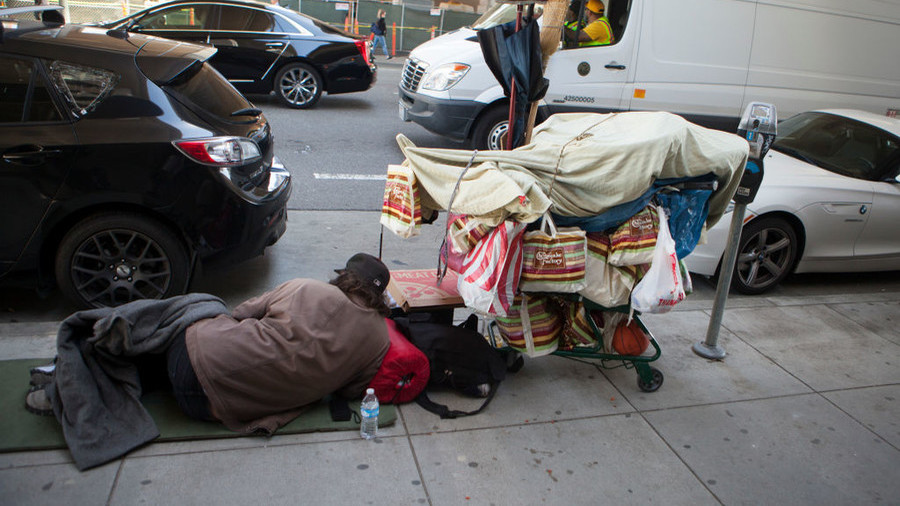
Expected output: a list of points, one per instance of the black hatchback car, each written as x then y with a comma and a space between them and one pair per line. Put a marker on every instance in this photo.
125, 161
264, 48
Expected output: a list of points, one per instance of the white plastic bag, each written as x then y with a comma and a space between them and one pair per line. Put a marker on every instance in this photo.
662, 286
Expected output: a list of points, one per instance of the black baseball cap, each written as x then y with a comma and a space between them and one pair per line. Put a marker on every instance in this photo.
369, 269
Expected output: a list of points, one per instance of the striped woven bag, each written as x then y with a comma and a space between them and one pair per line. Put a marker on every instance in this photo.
577, 331
608, 285
532, 327
633, 242
553, 259
400, 209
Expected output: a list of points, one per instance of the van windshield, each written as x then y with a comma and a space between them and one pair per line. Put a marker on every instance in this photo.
498, 14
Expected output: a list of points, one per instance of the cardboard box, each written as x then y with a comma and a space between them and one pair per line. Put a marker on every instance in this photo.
417, 290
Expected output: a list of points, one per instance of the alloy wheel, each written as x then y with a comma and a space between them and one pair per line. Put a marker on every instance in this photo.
113, 267
299, 86
766, 256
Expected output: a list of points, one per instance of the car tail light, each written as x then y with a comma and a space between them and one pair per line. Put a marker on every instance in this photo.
220, 151
363, 46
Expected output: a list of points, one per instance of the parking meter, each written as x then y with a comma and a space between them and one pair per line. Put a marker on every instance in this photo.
758, 126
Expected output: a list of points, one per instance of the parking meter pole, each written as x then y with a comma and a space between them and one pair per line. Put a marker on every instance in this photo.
758, 126
710, 348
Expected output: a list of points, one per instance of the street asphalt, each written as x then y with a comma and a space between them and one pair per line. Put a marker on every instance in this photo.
804, 409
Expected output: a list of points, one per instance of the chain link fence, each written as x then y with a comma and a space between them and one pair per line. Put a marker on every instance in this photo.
86, 11
408, 25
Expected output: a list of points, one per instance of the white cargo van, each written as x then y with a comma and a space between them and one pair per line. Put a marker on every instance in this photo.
703, 59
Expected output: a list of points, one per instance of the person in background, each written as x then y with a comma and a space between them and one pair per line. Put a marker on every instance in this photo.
379, 29
571, 20
597, 32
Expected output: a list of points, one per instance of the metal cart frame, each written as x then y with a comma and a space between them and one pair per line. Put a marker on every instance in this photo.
649, 378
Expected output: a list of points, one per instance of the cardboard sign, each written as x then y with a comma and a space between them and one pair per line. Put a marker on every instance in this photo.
417, 290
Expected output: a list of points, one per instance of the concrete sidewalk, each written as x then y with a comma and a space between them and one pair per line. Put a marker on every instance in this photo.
805, 409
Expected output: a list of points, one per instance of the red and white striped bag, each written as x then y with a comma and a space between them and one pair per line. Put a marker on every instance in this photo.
489, 278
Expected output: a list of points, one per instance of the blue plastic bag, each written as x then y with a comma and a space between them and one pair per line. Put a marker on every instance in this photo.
687, 211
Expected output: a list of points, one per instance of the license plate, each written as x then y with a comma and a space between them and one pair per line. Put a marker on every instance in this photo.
404, 115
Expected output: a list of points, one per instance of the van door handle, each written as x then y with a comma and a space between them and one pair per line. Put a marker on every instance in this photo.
614, 66
274, 45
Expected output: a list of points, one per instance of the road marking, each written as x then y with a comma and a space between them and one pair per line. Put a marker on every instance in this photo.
359, 177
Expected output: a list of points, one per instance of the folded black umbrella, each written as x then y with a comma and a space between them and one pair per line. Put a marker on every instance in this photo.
512, 54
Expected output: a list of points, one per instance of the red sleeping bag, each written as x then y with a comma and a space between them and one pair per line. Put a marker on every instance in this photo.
403, 373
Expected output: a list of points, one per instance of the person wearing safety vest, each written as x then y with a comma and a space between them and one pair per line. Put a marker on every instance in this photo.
598, 32
571, 21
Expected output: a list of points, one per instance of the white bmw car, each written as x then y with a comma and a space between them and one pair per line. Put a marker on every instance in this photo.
829, 202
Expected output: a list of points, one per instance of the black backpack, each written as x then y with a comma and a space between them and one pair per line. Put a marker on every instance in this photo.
460, 358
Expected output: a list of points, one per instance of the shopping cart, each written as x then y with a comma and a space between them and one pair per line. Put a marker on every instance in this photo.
649, 378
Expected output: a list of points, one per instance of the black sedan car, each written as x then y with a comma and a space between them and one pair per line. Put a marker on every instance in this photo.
264, 48
125, 161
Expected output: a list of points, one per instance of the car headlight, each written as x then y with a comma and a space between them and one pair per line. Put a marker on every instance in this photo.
445, 76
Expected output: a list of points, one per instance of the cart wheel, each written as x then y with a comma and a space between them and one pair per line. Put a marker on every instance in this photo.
655, 382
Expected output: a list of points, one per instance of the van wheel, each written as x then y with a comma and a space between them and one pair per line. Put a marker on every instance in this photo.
298, 85
110, 259
490, 131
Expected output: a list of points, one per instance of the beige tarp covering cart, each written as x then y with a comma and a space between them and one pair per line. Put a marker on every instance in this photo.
582, 166
578, 165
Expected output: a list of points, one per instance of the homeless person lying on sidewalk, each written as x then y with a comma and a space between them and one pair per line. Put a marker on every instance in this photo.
254, 370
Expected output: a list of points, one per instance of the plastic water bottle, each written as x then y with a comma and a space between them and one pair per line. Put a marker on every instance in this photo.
368, 427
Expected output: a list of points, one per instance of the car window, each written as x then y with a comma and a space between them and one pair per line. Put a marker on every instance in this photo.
306, 23
239, 19
838, 144
284, 26
208, 90
182, 17
16, 76
261, 22
82, 87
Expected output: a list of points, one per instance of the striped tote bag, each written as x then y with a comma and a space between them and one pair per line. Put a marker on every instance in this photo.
533, 325
400, 209
553, 260
608, 285
634, 241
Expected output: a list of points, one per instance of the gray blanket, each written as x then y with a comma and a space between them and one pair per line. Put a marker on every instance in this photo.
96, 391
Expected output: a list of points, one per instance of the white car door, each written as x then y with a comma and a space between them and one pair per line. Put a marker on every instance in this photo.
878, 245
833, 226
833, 208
